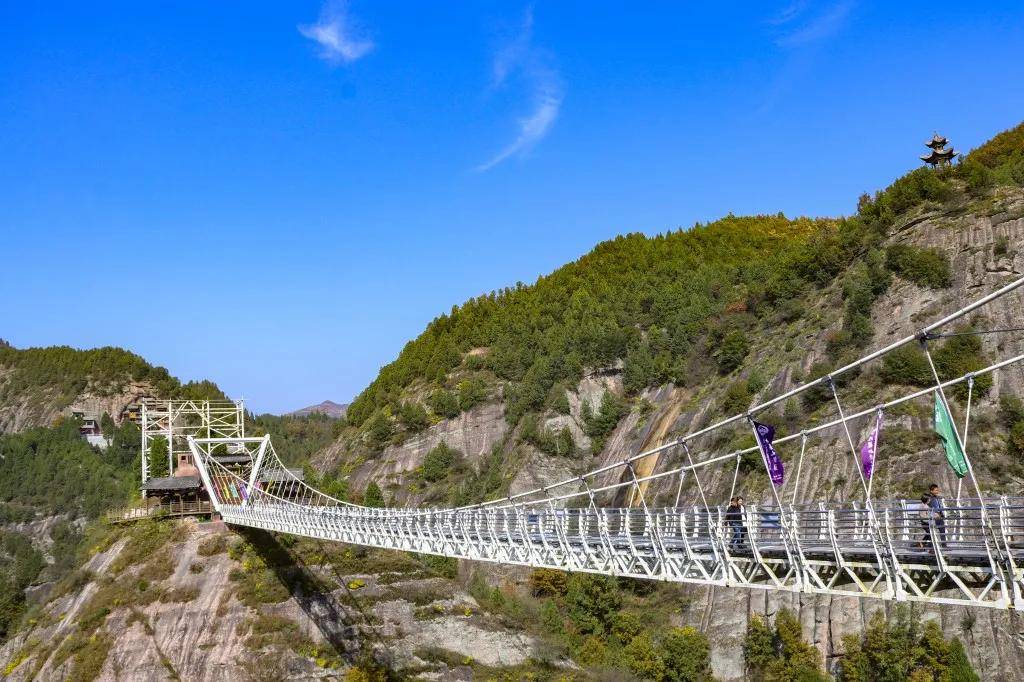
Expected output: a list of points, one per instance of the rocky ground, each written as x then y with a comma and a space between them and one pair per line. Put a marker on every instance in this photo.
211, 609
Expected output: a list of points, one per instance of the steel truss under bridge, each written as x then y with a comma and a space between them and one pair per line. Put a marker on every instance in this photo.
176, 420
864, 547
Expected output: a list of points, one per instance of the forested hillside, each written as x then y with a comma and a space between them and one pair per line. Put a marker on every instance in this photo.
71, 371
646, 337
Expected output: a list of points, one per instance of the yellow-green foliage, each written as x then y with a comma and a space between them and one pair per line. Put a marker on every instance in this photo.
266, 630
269, 570
159, 567
180, 594
901, 648
143, 539
104, 370
88, 653
779, 652
548, 582
215, 544
24, 653
587, 312
1002, 149
90, 657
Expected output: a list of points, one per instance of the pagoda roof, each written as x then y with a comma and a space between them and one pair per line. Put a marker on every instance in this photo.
937, 142
936, 155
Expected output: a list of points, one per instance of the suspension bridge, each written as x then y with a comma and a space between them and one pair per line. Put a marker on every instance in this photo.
665, 525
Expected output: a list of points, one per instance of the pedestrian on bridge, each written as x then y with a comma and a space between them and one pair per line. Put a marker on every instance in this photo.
734, 519
924, 514
938, 510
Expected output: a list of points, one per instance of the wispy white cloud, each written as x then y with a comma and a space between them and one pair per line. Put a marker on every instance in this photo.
520, 57
337, 34
789, 12
806, 30
800, 29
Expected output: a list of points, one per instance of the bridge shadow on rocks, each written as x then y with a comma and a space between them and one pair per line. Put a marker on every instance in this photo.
316, 596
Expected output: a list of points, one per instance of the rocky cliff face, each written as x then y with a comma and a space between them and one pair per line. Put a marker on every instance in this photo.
42, 407
205, 604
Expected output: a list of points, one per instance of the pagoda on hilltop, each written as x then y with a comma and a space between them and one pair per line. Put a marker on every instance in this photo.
938, 154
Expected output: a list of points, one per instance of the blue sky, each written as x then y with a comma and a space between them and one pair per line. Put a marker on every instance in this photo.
277, 196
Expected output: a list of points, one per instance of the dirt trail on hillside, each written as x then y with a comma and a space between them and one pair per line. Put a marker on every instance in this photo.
646, 466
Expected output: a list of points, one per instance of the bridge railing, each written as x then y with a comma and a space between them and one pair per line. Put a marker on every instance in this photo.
159, 509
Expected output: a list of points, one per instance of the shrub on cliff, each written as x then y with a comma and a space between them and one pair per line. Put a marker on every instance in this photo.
926, 267
901, 648
779, 652
439, 462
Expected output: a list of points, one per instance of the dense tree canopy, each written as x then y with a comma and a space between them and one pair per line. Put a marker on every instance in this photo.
54, 471
669, 303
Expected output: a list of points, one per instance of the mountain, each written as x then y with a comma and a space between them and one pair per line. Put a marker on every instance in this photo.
39, 385
645, 338
327, 407
639, 340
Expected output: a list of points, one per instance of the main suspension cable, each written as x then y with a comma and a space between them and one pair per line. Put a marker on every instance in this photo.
933, 335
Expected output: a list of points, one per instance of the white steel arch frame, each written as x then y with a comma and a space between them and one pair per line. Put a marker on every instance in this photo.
867, 548
175, 420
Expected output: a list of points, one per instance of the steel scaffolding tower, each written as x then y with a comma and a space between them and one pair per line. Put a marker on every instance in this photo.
176, 420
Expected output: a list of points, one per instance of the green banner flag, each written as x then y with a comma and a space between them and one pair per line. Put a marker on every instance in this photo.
944, 429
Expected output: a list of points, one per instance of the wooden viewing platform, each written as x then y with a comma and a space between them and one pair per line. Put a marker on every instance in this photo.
159, 510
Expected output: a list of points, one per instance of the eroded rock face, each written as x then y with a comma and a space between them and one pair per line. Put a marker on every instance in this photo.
31, 409
205, 636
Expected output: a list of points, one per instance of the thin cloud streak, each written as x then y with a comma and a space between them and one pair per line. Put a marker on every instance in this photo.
545, 86
820, 27
336, 35
802, 30
789, 13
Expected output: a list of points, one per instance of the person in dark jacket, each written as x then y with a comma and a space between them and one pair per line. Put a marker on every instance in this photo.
938, 511
734, 519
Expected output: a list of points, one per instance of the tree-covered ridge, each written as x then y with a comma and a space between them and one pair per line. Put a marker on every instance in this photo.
296, 437
54, 471
680, 306
588, 312
1004, 155
105, 371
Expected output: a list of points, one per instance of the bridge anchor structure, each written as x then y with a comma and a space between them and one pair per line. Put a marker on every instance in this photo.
968, 551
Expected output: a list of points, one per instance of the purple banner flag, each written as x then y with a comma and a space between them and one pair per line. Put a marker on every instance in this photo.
869, 450
765, 434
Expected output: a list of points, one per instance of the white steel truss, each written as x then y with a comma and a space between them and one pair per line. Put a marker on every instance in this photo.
874, 548
176, 420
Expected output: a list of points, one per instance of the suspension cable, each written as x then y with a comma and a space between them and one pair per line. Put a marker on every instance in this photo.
799, 465
934, 335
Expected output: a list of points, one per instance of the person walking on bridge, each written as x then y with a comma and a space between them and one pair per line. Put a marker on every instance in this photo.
938, 511
923, 512
734, 519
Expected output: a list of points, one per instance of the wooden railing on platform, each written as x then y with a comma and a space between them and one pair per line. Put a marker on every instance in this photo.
156, 509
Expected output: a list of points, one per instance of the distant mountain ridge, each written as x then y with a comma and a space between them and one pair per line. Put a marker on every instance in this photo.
327, 407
